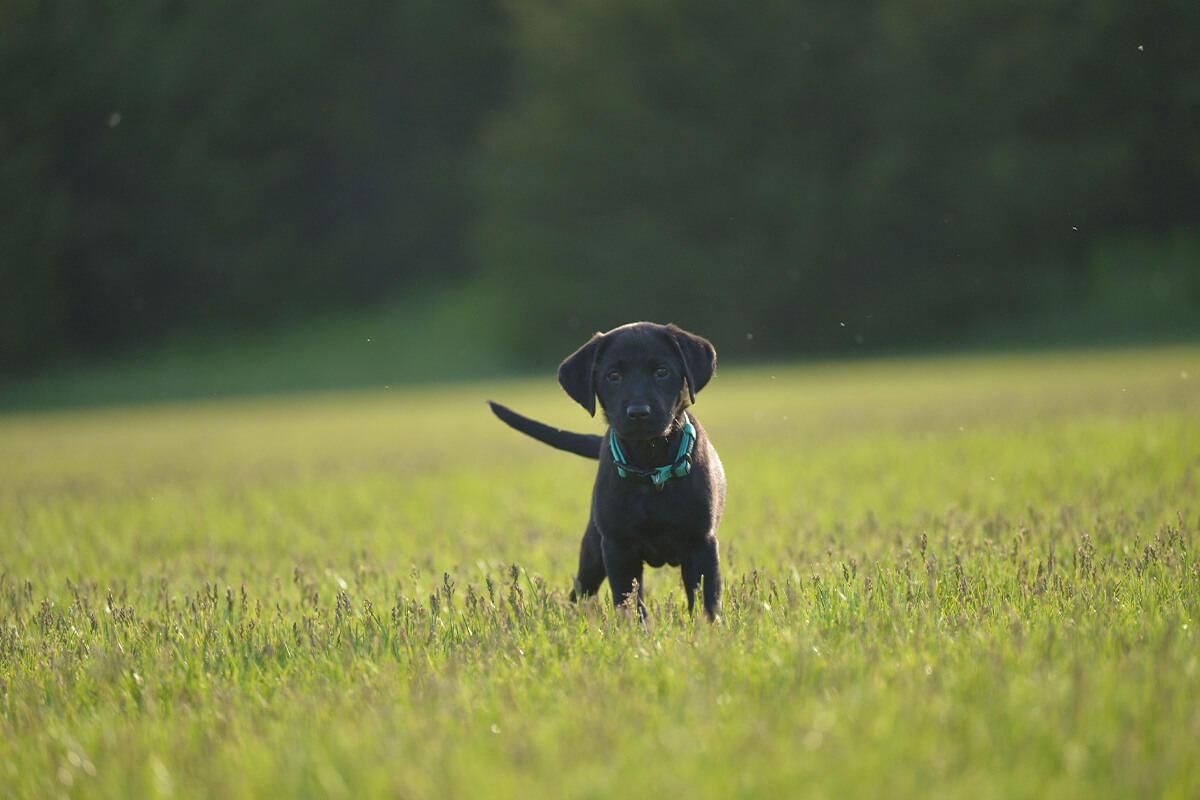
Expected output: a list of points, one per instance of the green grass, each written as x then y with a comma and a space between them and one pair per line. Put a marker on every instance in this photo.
945, 578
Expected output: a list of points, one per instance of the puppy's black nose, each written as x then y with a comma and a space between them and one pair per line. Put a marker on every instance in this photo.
638, 412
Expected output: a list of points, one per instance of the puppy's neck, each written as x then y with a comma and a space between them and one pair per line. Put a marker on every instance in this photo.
655, 451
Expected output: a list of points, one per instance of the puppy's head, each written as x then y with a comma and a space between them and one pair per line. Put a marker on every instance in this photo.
643, 374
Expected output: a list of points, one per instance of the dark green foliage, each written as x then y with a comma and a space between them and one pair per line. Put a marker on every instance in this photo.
169, 164
820, 176
904, 169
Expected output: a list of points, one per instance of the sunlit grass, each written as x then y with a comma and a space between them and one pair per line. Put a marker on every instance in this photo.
945, 578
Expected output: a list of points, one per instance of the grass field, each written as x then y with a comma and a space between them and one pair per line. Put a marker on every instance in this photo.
945, 578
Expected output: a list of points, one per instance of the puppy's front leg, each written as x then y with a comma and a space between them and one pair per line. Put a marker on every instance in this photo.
703, 569
624, 573
591, 565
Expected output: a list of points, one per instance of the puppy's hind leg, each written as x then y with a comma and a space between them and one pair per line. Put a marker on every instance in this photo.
591, 565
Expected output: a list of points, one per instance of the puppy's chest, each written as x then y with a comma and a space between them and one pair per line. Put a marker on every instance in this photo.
660, 524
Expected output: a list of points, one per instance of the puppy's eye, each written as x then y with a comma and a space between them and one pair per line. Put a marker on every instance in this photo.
613, 376
662, 372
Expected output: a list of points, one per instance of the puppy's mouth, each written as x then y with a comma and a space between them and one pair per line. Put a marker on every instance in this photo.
643, 430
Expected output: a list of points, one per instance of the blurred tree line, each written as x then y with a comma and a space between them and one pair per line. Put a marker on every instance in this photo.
173, 165
815, 175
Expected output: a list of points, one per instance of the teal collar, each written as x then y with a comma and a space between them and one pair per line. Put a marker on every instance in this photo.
658, 476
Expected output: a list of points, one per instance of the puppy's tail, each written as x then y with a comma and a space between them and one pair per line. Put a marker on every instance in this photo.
581, 444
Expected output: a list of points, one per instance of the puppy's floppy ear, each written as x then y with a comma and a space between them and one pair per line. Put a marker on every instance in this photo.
577, 374
699, 358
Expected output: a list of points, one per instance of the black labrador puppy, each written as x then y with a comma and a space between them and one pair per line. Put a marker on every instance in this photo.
660, 488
